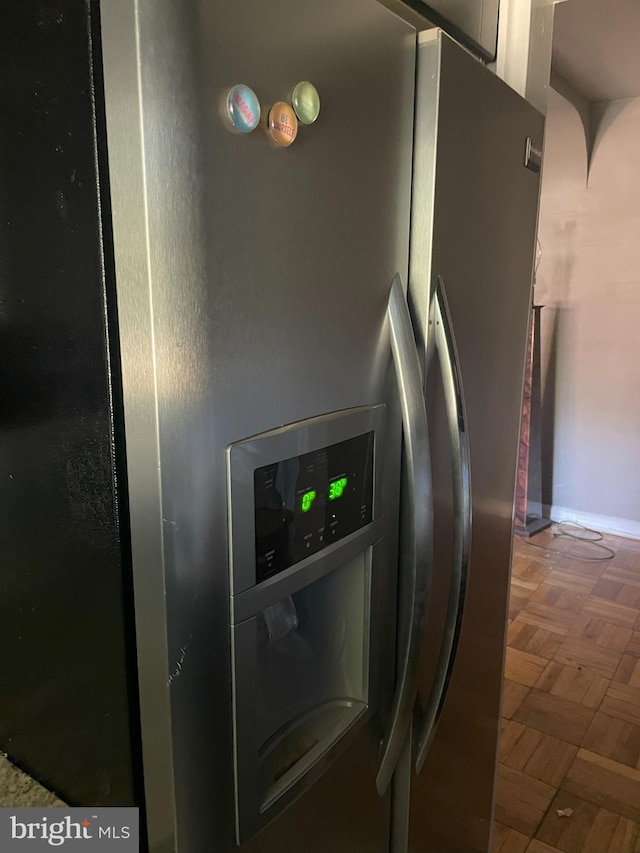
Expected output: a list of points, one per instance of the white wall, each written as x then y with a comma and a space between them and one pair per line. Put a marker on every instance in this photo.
523, 59
589, 279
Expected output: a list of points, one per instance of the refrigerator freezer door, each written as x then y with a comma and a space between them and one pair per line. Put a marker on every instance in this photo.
475, 211
253, 282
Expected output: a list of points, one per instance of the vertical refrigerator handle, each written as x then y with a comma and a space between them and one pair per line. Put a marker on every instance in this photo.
458, 435
415, 560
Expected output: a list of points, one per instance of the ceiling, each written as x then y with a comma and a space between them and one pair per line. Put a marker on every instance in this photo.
596, 47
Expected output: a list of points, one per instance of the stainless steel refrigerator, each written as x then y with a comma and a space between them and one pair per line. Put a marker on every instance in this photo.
474, 213
205, 206
227, 539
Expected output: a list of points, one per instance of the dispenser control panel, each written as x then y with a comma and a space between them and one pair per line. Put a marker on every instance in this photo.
304, 503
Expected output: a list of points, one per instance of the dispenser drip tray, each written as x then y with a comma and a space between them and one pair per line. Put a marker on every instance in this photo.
293, 750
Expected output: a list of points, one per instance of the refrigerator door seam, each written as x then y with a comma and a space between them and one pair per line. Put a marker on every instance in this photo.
416, 553
446, 348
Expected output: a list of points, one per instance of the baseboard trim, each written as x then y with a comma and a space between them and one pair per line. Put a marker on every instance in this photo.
604, 523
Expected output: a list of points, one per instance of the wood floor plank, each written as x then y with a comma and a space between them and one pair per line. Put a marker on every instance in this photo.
591, 629
622, 575
607, 588
548, 617
520, 800
577, 685
629, 595
537, 754
559, 597
589, 829
523, 587
628, 671
581, 654
614, 637
540, 847
626, 557
512, 696
633, 646
509, 736
571, 561
529, 570
614, 738
507, 840
609, 611
553, 715
516, 604
625, 669
550, 761
572, 579
530, 638
612, 833
605, 783
586, 627
522, 667
622, 702
567, 833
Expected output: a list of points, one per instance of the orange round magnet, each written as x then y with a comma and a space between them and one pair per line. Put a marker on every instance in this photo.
283, 124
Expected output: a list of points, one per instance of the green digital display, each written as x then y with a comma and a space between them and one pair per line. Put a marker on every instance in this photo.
337, 488
307, 499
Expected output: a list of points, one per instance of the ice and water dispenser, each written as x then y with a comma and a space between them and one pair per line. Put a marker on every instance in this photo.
303, 519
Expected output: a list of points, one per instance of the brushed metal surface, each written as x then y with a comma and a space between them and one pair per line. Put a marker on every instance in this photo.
453, 389
475, 208
416, 556
253, 286
123, 104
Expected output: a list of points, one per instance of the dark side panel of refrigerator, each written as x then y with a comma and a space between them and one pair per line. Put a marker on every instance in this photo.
67, 694
473, 238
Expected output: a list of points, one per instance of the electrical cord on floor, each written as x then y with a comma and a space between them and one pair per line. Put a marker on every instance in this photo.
558, 531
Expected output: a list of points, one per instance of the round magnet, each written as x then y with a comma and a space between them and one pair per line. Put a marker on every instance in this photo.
243, 108
283, 124
306, 102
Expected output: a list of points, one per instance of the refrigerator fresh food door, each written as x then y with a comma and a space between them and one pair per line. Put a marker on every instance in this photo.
473, 237
260, 173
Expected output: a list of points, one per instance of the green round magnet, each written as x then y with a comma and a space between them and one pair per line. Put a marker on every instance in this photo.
305, 100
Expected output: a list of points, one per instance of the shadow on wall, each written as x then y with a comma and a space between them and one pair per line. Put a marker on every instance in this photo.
603, 116
554, 321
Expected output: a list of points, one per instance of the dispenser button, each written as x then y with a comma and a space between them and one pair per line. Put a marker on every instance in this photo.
243, 108
283, 124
